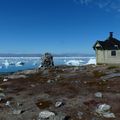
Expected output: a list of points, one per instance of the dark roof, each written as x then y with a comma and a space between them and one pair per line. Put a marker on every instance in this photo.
110, 43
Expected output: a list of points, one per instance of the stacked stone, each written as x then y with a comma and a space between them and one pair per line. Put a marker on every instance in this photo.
47, 60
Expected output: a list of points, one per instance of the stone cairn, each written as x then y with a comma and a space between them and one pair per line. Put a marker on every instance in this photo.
47, 60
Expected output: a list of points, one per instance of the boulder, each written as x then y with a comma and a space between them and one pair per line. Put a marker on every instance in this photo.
104, 110
45, 114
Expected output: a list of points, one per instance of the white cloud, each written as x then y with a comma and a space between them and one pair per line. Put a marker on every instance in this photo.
106, 4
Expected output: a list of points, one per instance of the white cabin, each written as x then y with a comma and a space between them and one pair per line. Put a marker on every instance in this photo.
108, 51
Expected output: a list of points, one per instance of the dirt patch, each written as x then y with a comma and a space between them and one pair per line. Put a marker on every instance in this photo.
43, 104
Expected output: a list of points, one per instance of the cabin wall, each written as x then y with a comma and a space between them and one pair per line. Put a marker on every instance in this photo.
104, 57
100, 56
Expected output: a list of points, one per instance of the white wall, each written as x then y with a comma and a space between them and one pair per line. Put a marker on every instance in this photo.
104, 56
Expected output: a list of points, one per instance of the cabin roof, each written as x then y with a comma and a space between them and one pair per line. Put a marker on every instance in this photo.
110, 43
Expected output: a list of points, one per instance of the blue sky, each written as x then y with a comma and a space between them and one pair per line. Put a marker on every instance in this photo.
56, 26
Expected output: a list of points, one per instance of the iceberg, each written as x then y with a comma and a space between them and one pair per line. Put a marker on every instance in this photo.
35, 63
19, 63
74, 62
91, 61
6, 63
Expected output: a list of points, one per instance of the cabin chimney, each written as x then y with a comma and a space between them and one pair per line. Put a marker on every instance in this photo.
111, 35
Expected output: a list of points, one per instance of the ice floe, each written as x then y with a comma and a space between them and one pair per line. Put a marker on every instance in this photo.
19, 63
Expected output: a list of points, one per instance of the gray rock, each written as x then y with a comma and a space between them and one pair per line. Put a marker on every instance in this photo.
104, 110
80, 114
1, 89
50, 81
2, 95
45, 114
5, 79
16, 76
109, 115
58, 104
45, 72
58, 117
98, 95
17, 112
7, 103
107, 77
103, 107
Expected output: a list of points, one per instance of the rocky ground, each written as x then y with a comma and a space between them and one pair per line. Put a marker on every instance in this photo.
61, 93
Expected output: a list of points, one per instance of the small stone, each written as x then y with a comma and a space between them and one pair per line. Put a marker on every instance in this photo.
19, 104
58, 104
7, 103
109, 115
1, 89
2, 95
108, 87
58, 76
98, 95
58, 117
5, 80
50, 81
85, 82
80, 114
46, 114
17, 112
32, 85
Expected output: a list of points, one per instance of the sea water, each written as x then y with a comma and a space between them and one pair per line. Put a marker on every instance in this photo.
13, 64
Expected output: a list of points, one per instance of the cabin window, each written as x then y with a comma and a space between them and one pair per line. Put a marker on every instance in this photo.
113, 53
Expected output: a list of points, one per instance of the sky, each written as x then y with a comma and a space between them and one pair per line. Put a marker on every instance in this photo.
56, 26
